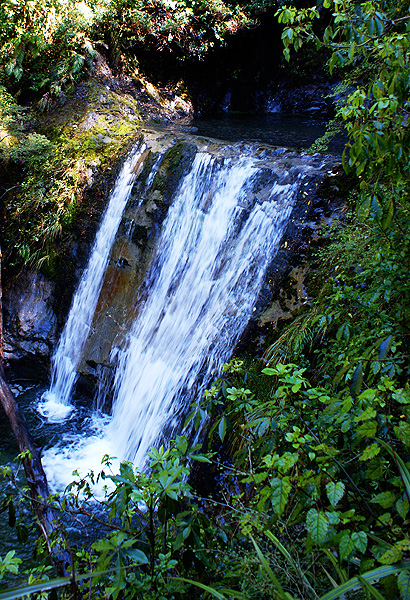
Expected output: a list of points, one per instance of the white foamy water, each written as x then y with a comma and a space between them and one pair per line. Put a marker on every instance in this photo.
55, 404
201, 290
81, 453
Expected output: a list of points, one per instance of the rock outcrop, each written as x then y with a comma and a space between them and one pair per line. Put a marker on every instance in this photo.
30, 325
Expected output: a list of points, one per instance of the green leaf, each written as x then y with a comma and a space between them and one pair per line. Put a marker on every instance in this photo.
355, 384
376, 208
343, 333
269, 371
285, 462
379, 26
369, 413
346, 546
280, 493
137, 556
384, 347
367, 429
402, 506
335, 491
388, 213
360, 541
391, 556
371, 26
222, 428
402, 431
371, 576
370, 452
201, 458
332, 62
401, 396
317, 524
403, 583
385, 499
255, 478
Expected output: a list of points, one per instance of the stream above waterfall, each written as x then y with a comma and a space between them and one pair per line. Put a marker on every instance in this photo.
297, 132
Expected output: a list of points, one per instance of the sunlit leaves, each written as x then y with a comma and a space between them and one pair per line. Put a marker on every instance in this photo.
391, 556
370, 452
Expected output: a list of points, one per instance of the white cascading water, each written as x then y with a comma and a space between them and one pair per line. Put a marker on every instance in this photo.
212, 256
209, 267
55, 403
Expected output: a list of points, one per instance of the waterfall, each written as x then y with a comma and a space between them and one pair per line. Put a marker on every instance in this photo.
55, 403
221, 232
201, 290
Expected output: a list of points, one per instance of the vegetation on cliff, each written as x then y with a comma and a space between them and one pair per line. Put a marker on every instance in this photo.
314, 490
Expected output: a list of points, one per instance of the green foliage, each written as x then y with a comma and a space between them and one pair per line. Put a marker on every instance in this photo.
51, 172
372, 38
46, 45
323, 449
316, 487
9, 564
43, 46
184, 27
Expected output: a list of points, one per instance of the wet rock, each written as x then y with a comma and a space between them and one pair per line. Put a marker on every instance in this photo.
312, 99
284, 292
30, 324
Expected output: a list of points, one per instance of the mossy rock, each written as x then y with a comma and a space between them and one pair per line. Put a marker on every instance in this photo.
176, 163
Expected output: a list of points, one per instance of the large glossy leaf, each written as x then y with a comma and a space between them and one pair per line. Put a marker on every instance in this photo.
403, 582
280, 493
317, 524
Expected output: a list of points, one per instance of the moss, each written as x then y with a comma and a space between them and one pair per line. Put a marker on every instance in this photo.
174, 166
54, 193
